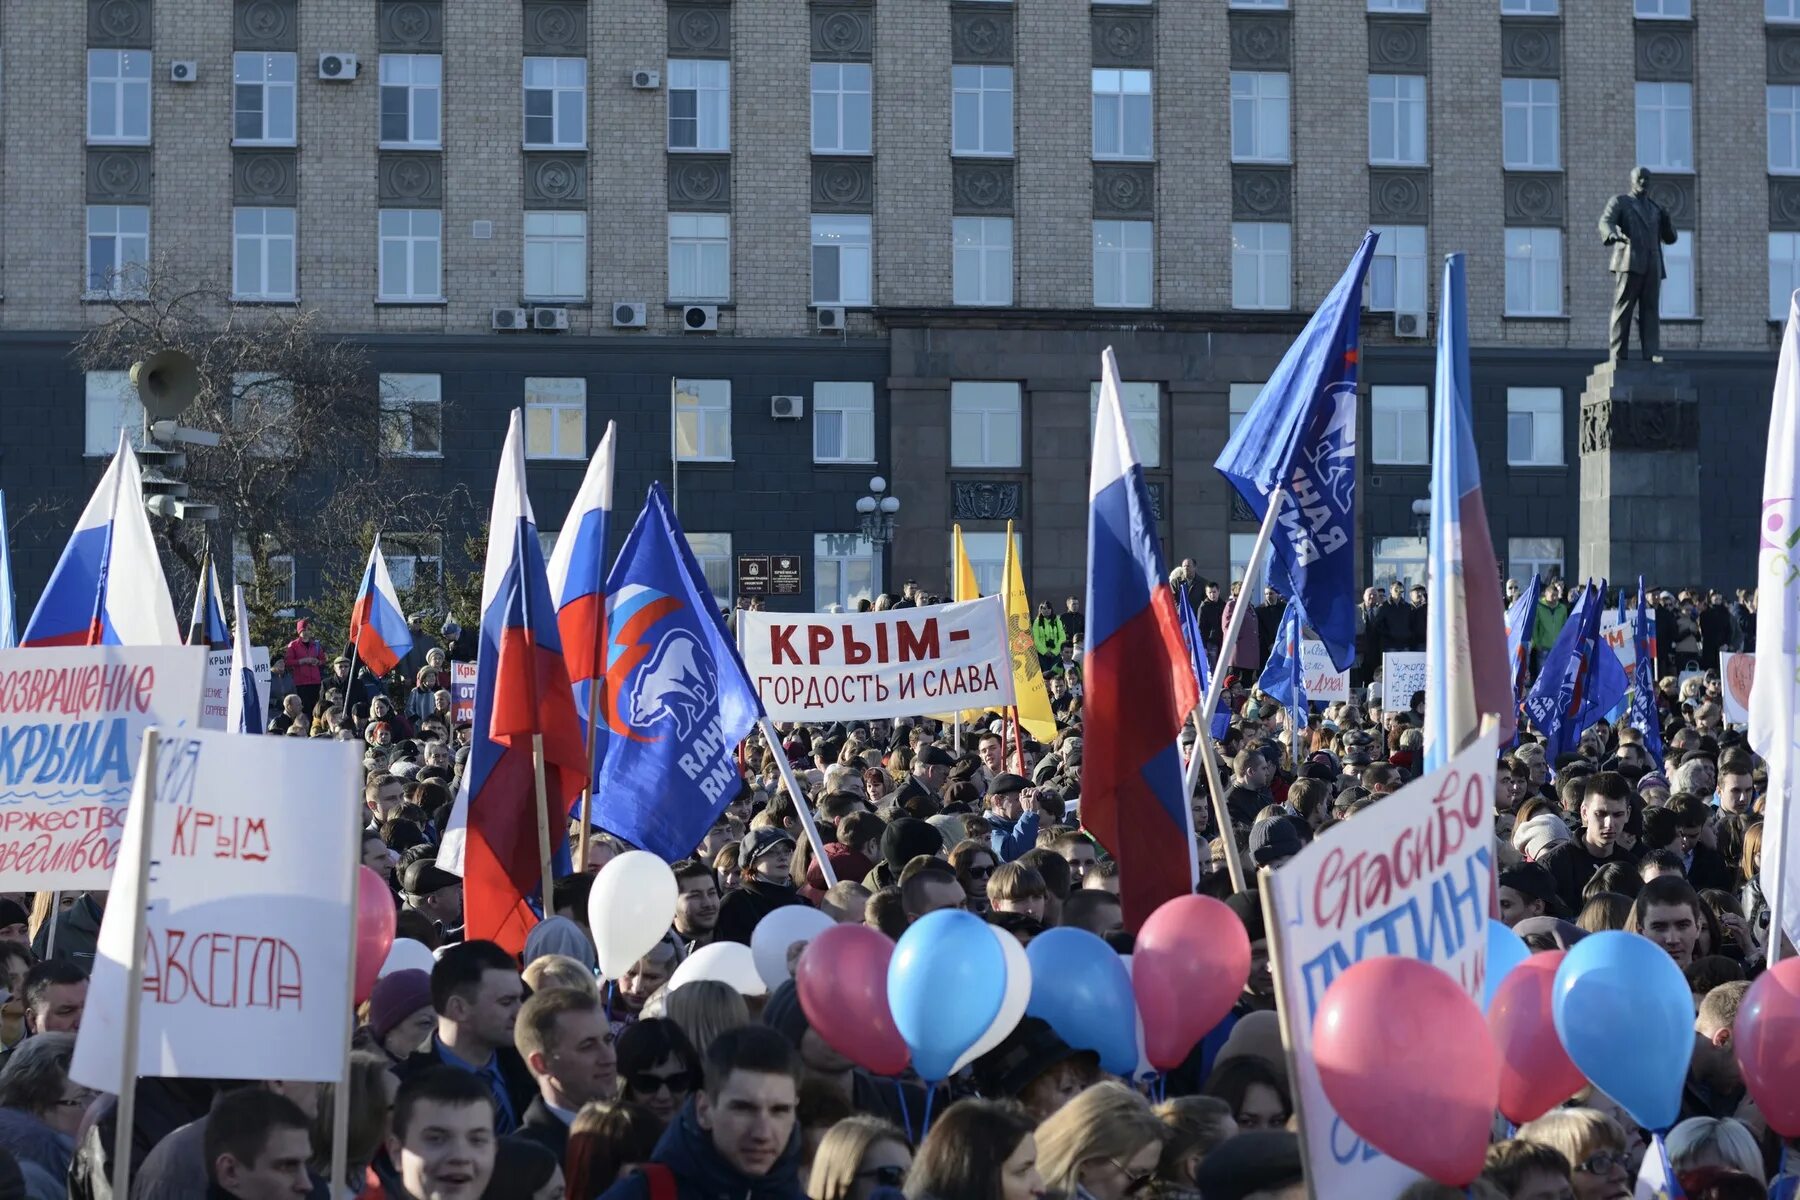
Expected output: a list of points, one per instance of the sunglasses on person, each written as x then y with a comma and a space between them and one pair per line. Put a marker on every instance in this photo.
1600, 1164
648, 1083
888, 1176
980, 870
1134, 1183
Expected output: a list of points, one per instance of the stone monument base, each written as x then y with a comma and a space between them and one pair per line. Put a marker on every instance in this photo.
1640, 476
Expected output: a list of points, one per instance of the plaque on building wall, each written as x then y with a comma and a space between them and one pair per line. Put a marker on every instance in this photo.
753, 574
784, 575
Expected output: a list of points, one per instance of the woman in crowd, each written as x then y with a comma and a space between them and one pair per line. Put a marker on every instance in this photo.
1594, 1146
1714, 1142
1105, 1144
974, 863
1195, 1125
1604, 911
401, 1018
659, 1066
1256, 1091
705, 1008
40, 1112
978, 1150
1750, 897
858, 1155
372, 1088
606, 1141
524, 1170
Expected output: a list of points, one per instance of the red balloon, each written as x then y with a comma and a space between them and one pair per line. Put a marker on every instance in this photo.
1188, 967
374, 929
1405, 1058
842, 981
1536, 1074
1766, 1040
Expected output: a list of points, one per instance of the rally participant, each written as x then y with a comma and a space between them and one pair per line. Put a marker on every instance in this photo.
1594, 1146
257, 1147
1104, 1144
443, 1141
644, 978
1095, 910
476, 991
1705, 866
658, 1066
859, 1154
1605, 808
1035, 1067
1013, 818
928, 885
41, 1110
764, 856
696, 903
978, 1150
400, 1014
1669, 913
1255, 1089
824, 1070
1076, 849
1715, 1082
55, 994
178, 1166
604, 1140
1528, 1171
563, 1036
436, 894
1195, 1125
1527, 891
1016, 888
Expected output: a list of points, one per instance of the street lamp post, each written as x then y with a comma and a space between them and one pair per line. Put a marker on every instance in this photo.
876, 513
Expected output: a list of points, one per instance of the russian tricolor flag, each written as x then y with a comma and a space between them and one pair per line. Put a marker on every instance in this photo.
577, 572
243, 704
108, 588
206, 627
1139, 684
377, 629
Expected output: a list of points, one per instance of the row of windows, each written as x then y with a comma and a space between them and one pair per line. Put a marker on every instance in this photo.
1655, 10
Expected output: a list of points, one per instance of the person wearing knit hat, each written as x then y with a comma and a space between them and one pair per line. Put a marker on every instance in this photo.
1256, 1035
400, 1013
1527, 891
1538, 834
560, 935
903, 840
764, 856
15, 922
1274, 840
1654, 788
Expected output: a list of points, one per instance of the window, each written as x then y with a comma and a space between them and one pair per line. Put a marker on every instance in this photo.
1781, 10
1784, 129
118, 96
1534, 433
984, 425
112, 405
412, 415
1123, 115
1665, 126
281, 568
987, 557
1667, 10
840, 260
1677, 299
412, 87
699, 104
413, 559
1257, 4
1241, 546
118, 249
699, 256
840, 108
1530, 556
1123, 264
844, 422
703, 420
1397, 281
555, 255
1397, 120
1528, 8
1243, 398
1534, 273
1531, 124
1397, 6
1399, 425
1398, 559
262, 253
555, 418
556, 103
1142, 403
262, 98
1784, 272
846, 569
1259, 116
713, 552
262, 408
411, 254
1261, 276
983, 260
981, 110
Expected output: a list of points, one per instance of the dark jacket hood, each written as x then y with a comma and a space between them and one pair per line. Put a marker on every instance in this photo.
687, 1150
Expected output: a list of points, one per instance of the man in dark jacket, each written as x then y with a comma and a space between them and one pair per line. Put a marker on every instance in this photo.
739, 1136
475, 991
1605, 807
163, 1106
181, 1163
566, 1041
1717, 629
256, 1148
764, 857
1210, 613
1396, 620
77, 931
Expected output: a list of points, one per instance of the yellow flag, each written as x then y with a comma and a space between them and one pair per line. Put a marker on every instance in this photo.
962, 587
1031, 696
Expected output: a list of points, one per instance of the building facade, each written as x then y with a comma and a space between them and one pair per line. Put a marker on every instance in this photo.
922, 218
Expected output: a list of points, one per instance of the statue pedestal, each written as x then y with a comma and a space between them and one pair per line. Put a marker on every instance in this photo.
1640, 476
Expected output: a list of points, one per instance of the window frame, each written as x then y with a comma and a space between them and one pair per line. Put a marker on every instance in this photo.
708, 554
984, 254
405, 553
1779, 298
1667, 117
1408, 115
1144, 420
1521, 566
266, 243
708, 403
412, 89
400, 402
1530, 8
1639, 7
1122, 257
840, 550
1790, 117
559, 92
1263, 257
123, 410
243, 569
559, 244
1255, 104
413, 241
712, 121
1542, 405
1679, 261
117, 284
1240, 398
1416, 407
553, 396
843, 253
985, 399
1789, 17
853, 401
982, 93
265, 87
1396, 6
842, 108
124, 86
1533, 262
1410, 269
699, 243
1527, 110
1115, 107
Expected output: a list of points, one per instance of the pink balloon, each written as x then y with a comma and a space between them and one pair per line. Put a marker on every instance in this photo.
1188, 967
1766, 1040
374, 929
1535, 1072
842, 981
1405, 1058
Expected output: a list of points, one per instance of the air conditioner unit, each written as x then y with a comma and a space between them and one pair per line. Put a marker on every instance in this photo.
629, 314
549, 318
184, 71
787, 408
646, 81
831, 319
335, 65
1410, 324
509, 318
700, 318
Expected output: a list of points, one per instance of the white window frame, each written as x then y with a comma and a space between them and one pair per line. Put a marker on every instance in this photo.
1398, 558
128, 251
1256, 4
1783, 106
1241, 400
1529, 8
1259, 100
1124, 114
243, 568
699, 246
1265, 249
843, 422
405, 398
718, 566
986, 551
1399, 425
846, 92
118, 90
974, 91
1781, 12
262, 247
555, 255
1663, 10
1679, 297
1141, 401
566, 90
1784, 272
409, 554
550, 402
1397, 107
982, 260
1124, 264
111, 403
702, 420
1238, 548
707, 84
990, 414
1397, 6
1665, 114
836, 556
1538, 252
1398, 279
1523, 103
424, 99
423, 227
1543, 407
843, 257
1528, 556
276, 111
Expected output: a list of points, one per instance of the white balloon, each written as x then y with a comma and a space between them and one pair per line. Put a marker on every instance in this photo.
776, 933
728, 962
1144, 1068
630, 908
1012, 1004
407, 954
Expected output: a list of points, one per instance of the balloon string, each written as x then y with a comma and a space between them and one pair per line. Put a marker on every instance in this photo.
905, 1113
930, 1095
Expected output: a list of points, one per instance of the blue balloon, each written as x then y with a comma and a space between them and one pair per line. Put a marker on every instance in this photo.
1625, 1015
1081, 987
944, 985
1505, 950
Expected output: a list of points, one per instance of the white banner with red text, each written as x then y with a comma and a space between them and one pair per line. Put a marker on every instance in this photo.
215, 701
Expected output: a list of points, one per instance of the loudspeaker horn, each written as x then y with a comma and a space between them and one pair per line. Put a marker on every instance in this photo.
166, 382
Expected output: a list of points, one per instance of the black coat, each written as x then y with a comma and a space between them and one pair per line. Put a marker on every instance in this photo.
77, 934
163, 1106
741, 910
701, 1173
545, 1128
1710, 870
521, 1088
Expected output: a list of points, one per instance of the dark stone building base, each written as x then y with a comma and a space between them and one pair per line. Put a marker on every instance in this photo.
1640, 476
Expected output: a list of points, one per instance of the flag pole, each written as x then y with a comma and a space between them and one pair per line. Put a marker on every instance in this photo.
1277, 942
340, 1095
543, 819
587, 793
126, 1113
793, 786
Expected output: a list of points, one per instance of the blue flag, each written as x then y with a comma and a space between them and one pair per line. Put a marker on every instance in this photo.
1190, 633
1282, 676
677, 700
1644, 717
1521, 618
9, 626
1582, 678
1301, 435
